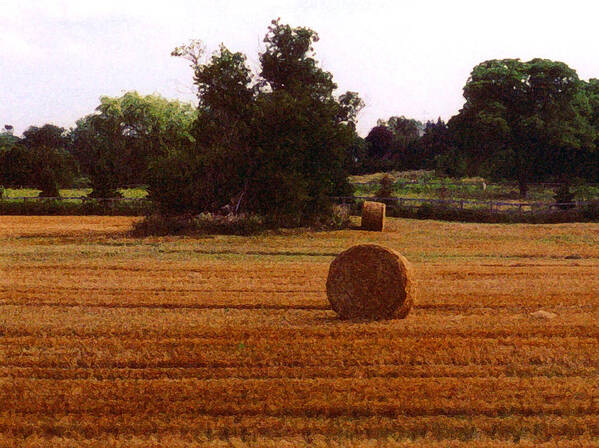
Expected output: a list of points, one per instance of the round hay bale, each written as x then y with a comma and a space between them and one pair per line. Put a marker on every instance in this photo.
372, 282
373, 216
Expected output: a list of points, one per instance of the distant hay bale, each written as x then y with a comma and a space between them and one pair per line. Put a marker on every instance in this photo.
372, 282
373, 216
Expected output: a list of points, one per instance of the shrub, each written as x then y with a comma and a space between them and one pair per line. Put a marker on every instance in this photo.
205, 223
564, 197
48, 184
385, 187
340, 217
591, 211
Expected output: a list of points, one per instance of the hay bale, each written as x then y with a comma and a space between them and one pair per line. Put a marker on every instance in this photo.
372, 282
373, 216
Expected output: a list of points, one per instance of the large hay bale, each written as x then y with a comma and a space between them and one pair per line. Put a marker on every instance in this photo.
372, 282
373, 216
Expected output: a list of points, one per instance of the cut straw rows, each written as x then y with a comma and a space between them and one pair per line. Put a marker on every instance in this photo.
351, 397
294, 350
437, 431
180, 340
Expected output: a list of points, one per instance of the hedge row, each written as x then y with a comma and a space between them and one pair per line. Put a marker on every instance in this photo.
88, 207
587, 213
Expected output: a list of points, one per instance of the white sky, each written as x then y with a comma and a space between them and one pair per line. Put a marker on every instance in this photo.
57, 57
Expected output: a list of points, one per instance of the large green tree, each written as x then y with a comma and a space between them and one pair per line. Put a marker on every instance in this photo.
591, 160
116, 144
275, 144
524, 120
392, 145
39, 159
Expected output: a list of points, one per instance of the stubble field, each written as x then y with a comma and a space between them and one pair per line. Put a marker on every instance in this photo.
108, 340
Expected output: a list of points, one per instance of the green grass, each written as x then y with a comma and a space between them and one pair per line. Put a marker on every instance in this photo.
429, 186
11, 193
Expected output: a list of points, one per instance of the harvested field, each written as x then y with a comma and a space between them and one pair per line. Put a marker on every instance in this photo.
107, 340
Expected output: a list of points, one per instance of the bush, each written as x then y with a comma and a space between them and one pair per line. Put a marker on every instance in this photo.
564, 197
385, 187
340, 217
242, 224
81, 182
205, 223
591, 211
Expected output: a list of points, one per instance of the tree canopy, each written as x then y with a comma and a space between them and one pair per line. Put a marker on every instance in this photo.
39, 159
524, 120
274, 144
116, 144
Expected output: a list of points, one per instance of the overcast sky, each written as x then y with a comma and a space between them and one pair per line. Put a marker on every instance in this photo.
57, 57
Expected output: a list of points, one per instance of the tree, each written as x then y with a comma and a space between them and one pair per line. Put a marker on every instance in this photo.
380, 142
49, 136
392, 144
116, 144
288, 63
7, 139
41, 160
590, 161
275, 144
531, 114
434, 144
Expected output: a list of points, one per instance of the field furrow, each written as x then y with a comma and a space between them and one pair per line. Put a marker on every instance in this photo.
107, 340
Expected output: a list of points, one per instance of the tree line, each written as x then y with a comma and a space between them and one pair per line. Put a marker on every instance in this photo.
281, 142
523, 121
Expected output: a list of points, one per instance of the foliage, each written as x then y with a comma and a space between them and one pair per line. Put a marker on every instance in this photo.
380, 141
434, 146
392, 144
356, 156
274, 145
48, 136
7, 139
38, 159
566, 214
177, 183
385, 187
116, 144
47, 183
564, 197
204, 223
523, 120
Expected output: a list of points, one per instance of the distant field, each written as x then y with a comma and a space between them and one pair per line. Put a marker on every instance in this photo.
107, 340
72, 192
424, 185
408, 184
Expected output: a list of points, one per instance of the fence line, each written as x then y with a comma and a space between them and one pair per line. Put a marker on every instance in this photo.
482, 184
461, 204
70, 198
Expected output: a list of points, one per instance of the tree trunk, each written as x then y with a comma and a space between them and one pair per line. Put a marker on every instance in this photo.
523, 186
